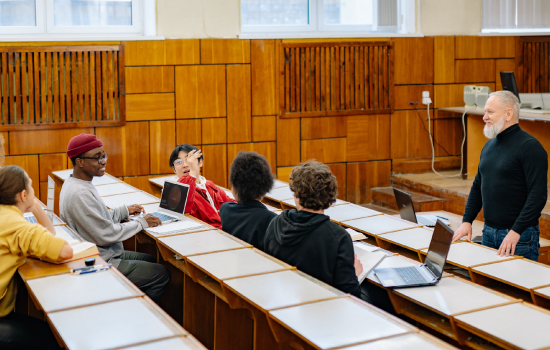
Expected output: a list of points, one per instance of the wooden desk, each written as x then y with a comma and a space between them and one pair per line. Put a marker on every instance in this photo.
68, 291
159, 181
279, 183
513, 326
541, 296
344, 212
279, 194
129, 199
379, 225
113, 324
410, 341
351, 322
97, 181
187, 342
114, 189
455, 221
466, 255
415, 239
289, 203
434, 306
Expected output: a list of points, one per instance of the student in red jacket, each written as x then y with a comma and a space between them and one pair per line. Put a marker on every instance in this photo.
205, 198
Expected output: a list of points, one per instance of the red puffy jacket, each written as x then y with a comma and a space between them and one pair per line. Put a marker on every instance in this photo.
198, 204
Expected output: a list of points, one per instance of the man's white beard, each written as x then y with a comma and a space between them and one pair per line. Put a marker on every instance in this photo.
491, 130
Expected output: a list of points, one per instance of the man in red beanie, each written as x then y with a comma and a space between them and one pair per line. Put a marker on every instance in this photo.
83, 209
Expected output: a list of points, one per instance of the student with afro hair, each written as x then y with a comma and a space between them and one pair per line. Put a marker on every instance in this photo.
250, 178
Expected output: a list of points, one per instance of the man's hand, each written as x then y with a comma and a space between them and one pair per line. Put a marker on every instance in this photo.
193, 162
152, 221
508, 245
358, 266
135, 209
464, 229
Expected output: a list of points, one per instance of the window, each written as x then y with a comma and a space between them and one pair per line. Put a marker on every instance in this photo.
73, 17
320, 17
516, 16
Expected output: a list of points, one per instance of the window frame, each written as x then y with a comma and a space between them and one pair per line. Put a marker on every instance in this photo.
25, 30
511, 31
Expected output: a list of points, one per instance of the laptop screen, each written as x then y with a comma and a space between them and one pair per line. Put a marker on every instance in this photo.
405, 205
174, 196
439, 248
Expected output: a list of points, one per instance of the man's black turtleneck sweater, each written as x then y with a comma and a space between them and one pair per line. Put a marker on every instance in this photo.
510, 183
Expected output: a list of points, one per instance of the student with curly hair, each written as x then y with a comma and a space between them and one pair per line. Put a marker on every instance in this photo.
306, 238
250, 178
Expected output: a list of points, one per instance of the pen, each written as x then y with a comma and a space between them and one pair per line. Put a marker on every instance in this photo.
441, 217
90, 269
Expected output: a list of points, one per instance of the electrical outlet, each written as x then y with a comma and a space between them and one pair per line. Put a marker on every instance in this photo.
426, 98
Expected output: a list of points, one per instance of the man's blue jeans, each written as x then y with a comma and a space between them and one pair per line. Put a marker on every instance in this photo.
528, 245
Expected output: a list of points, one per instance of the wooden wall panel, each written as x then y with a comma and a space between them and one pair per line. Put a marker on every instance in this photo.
51, 162
162, 143
128, 148
288, 141
143, 183
324, 150
323, 127
452, 95
189, 131
485, 47
144, 53
200, 92
182, 51
216, 51
214, 130
409, 136
150, 107
264, 128
215, 164
444, 59
475, 71
411, 93
283, 173
239, 122
30, 164
140, 80
414, 60
368, 137
43, 141
264, 65
5, 135
503, 65
361, 177
267, 149
339, 170
448, 134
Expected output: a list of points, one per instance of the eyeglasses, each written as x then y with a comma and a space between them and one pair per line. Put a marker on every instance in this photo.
99, 159
180, 161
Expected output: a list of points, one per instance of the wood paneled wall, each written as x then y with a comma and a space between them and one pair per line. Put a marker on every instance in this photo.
222, 95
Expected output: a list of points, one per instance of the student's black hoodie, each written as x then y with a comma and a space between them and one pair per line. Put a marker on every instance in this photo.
316, 246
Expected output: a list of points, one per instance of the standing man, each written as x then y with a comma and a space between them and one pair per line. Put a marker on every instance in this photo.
83, 209
511, 182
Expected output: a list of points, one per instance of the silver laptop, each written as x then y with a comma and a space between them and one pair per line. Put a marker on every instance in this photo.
427, 274
172, 202
406, 209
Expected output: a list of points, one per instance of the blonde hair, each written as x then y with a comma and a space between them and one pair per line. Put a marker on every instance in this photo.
509, 99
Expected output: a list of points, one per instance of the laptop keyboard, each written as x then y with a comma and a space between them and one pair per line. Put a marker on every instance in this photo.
31, 219
410, 275
162, 216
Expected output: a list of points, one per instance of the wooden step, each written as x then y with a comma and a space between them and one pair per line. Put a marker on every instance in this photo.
383, 210
384, 197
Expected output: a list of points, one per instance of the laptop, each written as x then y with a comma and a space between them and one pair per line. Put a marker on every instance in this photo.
172, 202
427, 274
406, 209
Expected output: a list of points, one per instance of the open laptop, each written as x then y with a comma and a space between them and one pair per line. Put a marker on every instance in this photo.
406, 209
172, 202
427, 274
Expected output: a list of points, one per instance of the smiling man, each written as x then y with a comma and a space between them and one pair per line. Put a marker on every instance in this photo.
83, 209
511, 182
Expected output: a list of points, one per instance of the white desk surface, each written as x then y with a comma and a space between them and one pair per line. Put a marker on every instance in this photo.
452, 296
411, 341
63, 174
338, 322
110, 325
379, 224
129, 199
159, 181
105, 180
415, 238
151, 208
290, 202
279, 194
517, 324
350, 211
281, 289
200, 243
69, 291
114, 189
469, 254
520, 272
544, 292
178, 343
279, 183
392, 261
236, 263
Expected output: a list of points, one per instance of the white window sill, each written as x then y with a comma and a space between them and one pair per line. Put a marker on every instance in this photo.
317, 35
67, 37
514, 33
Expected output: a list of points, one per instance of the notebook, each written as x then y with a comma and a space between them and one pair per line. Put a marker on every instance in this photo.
368, 258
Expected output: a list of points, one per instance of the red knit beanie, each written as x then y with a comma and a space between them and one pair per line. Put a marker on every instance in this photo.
81, 144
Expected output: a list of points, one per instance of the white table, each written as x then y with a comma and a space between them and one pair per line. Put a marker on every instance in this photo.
129, 199
411, 341
465, 254
114, 189
519, 272
379, 224
280, 194
414, 238
346, 212
200, 243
